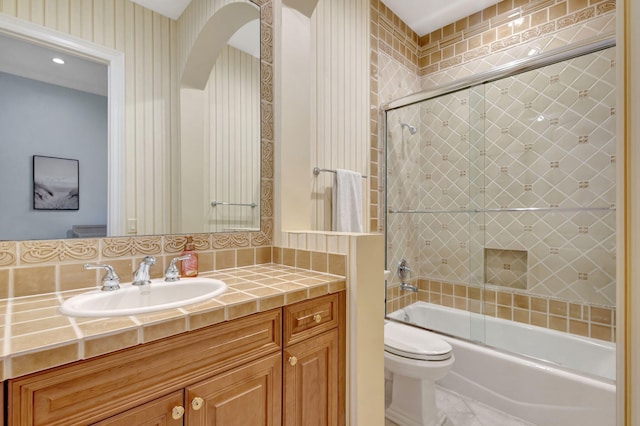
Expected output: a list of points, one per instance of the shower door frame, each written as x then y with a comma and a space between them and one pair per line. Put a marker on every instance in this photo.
507, 70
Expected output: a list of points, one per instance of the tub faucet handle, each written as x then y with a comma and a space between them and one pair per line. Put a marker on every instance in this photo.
404, 272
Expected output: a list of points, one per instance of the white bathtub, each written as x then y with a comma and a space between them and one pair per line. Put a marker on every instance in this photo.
549, 392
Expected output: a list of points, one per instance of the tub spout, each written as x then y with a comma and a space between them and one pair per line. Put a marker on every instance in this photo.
407, 286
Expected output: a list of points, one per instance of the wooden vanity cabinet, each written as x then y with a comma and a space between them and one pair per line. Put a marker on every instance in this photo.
230, 374
94, 390
248, 395
314, 362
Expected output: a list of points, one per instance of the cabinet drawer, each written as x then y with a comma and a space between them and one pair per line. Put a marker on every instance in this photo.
310, 318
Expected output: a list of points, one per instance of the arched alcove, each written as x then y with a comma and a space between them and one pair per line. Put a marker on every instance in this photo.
220, 125
214, 36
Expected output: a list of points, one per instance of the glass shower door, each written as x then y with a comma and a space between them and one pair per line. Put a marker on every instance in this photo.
501, 197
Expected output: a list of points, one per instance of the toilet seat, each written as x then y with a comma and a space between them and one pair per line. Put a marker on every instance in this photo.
415, 343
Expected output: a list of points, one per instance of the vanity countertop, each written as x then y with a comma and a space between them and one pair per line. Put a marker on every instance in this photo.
38, 337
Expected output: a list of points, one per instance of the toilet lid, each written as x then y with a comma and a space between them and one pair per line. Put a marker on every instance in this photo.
411, 342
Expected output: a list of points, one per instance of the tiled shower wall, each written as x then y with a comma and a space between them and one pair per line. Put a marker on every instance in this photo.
549, 143
454, 266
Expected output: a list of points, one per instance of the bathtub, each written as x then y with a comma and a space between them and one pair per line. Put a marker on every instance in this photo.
564, 379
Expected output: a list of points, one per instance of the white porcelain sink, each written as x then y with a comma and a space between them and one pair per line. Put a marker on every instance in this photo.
133, 300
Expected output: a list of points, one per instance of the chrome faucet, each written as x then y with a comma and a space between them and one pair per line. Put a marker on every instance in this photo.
404, 273
141, 276
172, 273
110, 280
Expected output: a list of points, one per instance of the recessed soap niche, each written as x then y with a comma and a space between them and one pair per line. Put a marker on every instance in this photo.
505, 268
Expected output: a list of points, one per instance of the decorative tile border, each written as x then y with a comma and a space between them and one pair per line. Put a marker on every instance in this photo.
48, 266
8, 253
37, 252
497, 28
582, 319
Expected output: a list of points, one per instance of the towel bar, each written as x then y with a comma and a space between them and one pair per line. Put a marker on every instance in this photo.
222, 203
317, 170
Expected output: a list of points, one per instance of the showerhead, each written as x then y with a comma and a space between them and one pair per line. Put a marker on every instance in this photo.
412, 129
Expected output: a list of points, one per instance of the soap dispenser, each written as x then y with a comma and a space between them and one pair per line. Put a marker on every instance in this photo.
189, 267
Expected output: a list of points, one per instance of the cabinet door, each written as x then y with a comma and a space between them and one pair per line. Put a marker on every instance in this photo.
248, 395
311, 378
164, 411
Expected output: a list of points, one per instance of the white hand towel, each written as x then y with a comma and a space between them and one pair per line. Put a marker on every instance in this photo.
347, 201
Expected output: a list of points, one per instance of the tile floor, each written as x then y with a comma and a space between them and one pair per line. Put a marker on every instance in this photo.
462, 411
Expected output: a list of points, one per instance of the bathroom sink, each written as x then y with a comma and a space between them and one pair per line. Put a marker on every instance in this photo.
133, 300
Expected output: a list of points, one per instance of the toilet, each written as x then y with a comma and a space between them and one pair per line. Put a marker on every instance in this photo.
413, 360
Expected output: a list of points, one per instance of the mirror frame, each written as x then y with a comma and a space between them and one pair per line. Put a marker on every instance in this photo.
29, 31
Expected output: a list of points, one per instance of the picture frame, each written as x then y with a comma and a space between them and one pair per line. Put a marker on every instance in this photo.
56, 183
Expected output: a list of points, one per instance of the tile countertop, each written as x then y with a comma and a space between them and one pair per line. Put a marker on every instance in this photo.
37, 337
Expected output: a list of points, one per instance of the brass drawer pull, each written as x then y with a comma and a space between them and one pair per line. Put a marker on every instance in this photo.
317, 318
293, 360
177, 412
197, 403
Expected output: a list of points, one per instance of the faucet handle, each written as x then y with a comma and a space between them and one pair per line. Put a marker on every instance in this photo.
172, 273
110, 280
404, 272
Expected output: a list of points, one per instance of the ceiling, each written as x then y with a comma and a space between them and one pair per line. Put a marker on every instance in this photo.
170, 8
423, 16
34, 61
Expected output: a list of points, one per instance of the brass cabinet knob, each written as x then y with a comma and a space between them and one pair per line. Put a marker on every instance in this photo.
293, 360
197, 403
177, 412
317, 318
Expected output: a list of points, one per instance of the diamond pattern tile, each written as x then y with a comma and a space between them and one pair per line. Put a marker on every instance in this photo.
545, 138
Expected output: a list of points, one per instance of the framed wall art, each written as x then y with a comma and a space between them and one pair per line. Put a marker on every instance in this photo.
56, 183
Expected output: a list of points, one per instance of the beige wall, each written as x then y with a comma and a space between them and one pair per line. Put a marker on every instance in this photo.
224, 142
293, 194
340, 99
338, 105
